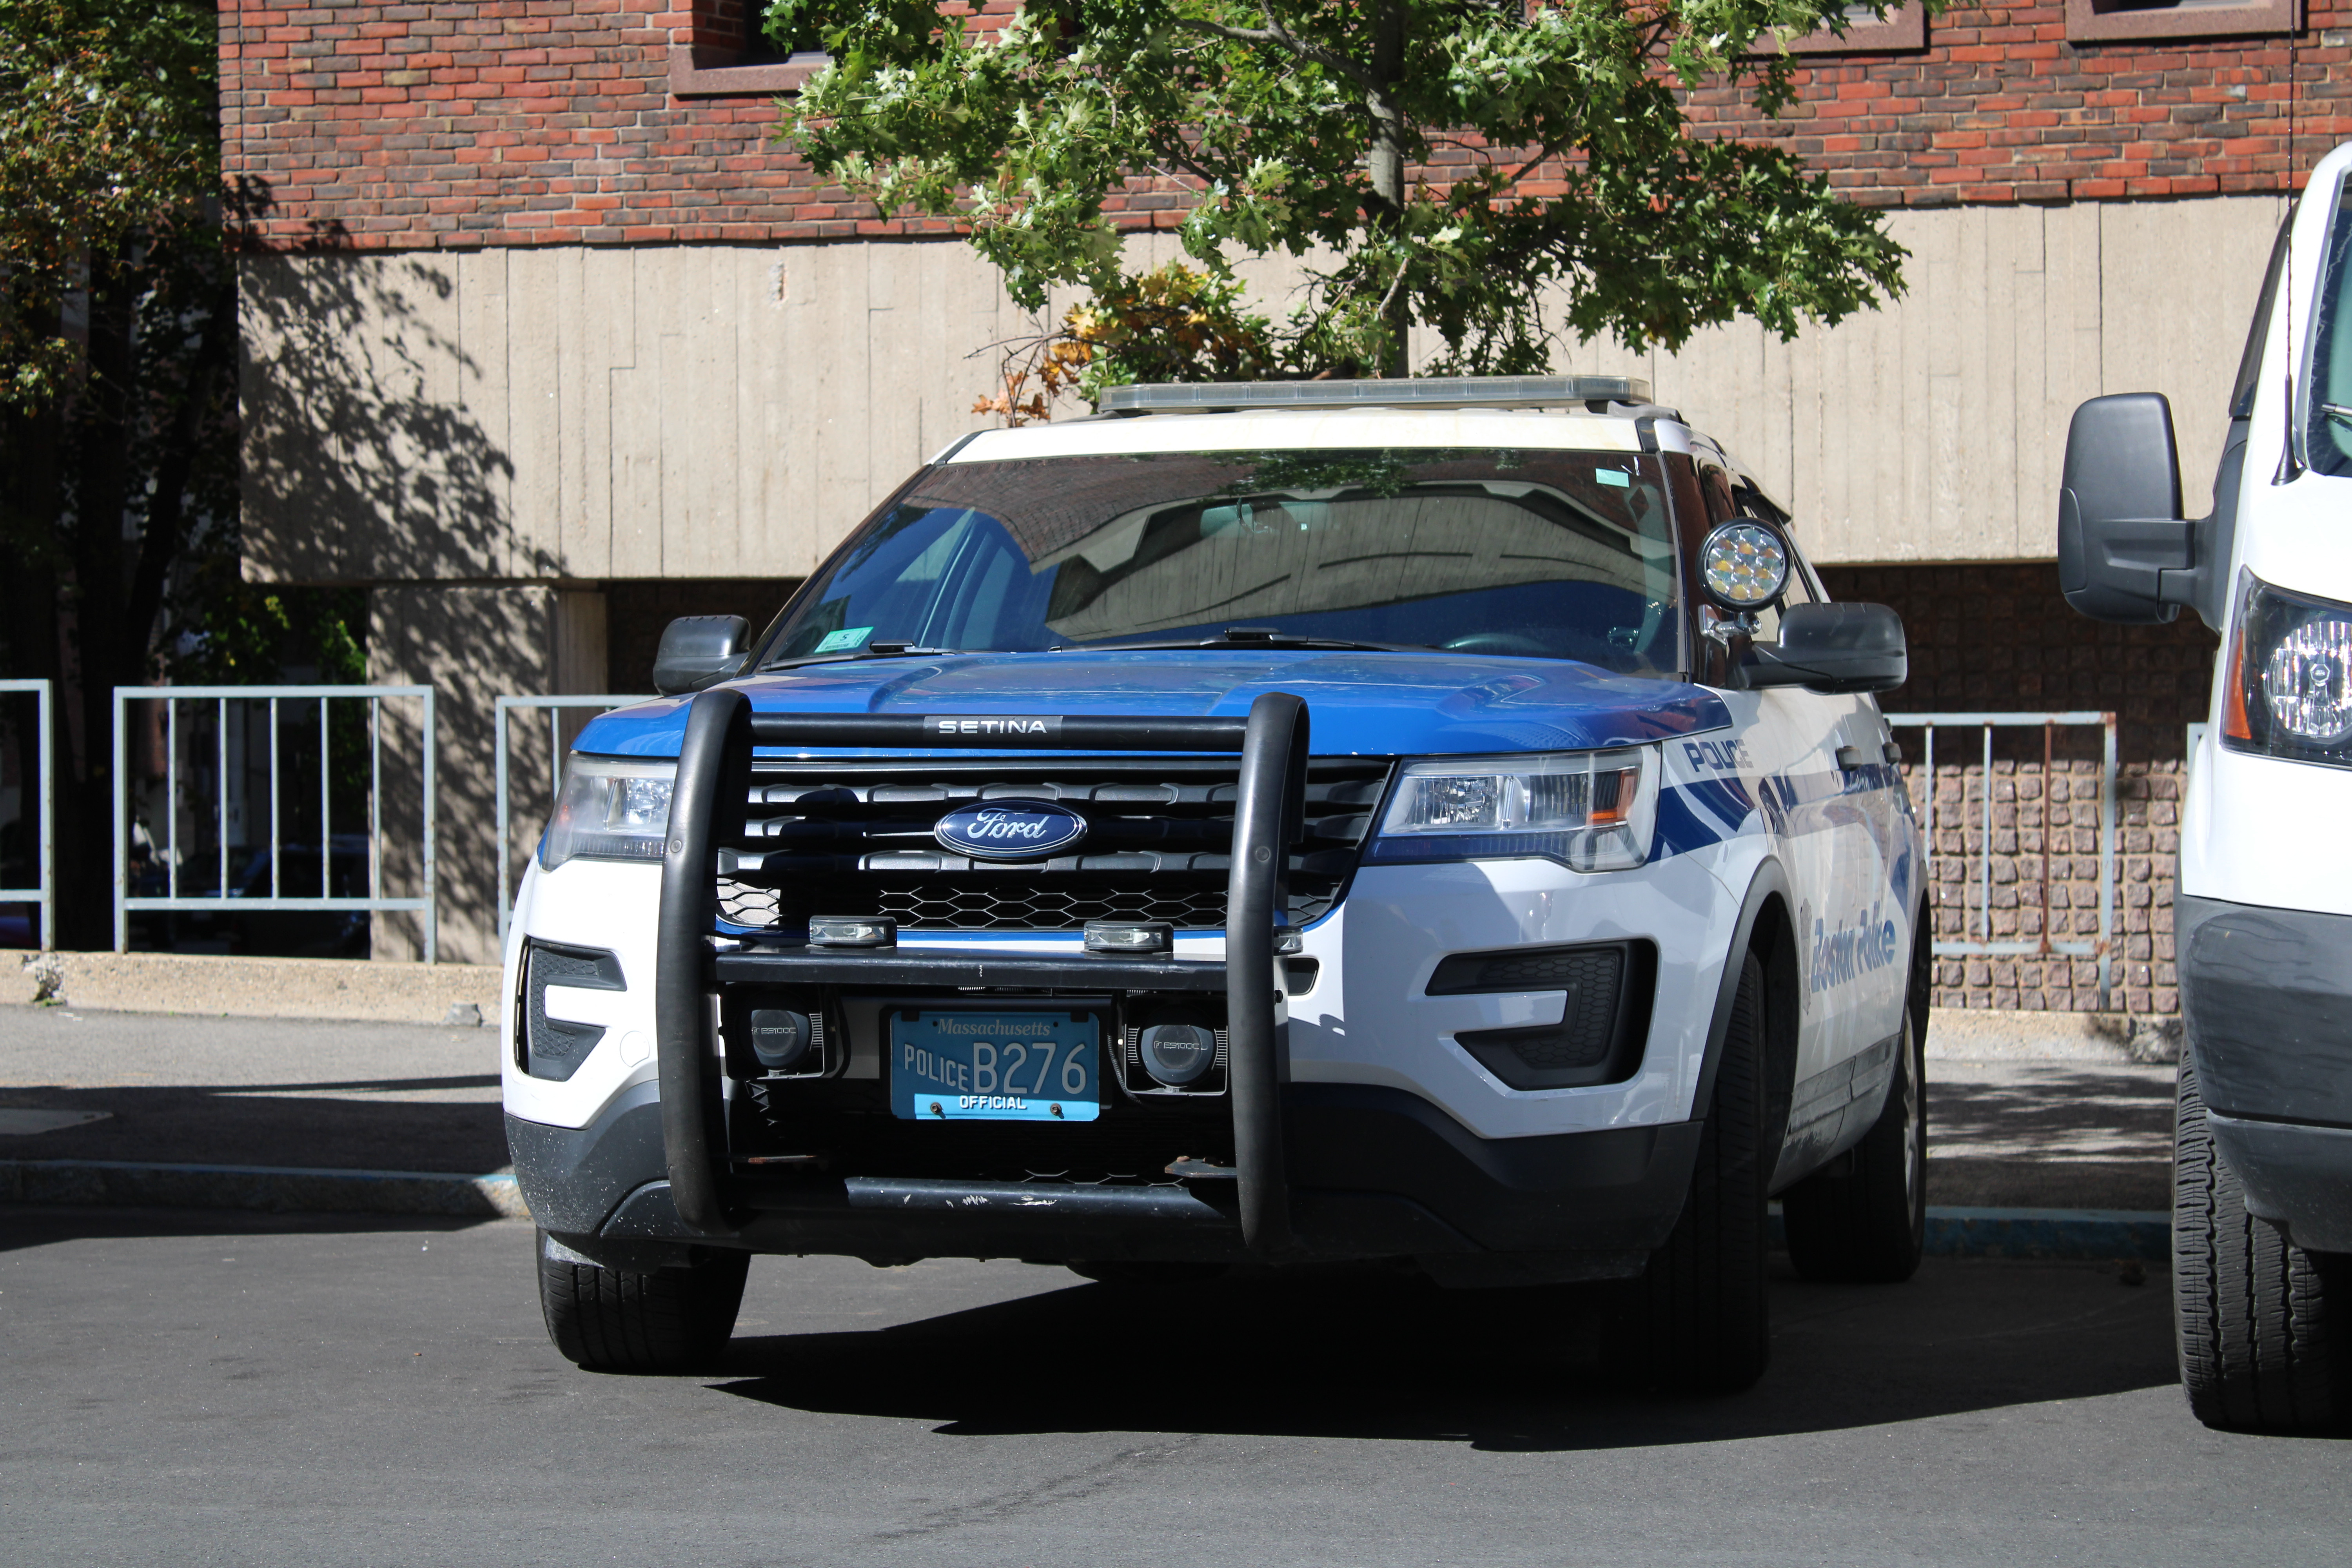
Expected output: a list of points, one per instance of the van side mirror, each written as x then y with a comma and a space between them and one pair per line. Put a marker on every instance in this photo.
1837, 649
698, 651
2125, 552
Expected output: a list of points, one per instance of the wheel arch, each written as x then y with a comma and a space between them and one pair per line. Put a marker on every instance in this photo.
1766, 928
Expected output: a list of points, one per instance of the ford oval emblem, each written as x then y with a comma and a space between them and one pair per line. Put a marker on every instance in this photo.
1010, 829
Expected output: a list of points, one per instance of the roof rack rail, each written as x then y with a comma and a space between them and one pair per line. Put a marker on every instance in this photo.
1447, 391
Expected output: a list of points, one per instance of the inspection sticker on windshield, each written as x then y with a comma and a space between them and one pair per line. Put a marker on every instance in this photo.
1618, 477
844, 640
993, 1067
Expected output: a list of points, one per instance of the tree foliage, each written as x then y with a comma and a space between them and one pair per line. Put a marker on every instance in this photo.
108, 136
1453, 163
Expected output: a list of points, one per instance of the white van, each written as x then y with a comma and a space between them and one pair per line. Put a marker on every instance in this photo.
2262, 920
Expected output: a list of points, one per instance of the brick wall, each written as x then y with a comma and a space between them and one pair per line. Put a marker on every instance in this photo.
2000, 638
553, 121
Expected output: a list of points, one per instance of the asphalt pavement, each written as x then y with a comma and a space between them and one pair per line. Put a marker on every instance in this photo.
195, 1389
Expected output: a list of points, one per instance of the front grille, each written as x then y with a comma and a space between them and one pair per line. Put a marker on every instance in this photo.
1118, 1149
855, 837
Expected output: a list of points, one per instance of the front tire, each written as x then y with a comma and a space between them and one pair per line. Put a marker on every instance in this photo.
1867, 1222
2264, 1328
619, 1319
1700, 1318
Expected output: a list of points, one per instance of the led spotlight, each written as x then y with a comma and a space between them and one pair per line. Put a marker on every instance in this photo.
1124, 935
1743, 565
853, 931
1177, 1054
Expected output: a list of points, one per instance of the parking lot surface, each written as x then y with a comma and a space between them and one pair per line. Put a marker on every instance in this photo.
198, 1388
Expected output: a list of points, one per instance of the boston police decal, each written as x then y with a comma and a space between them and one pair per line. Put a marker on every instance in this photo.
1010, 829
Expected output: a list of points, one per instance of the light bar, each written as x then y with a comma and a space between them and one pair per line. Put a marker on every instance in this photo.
1450, 392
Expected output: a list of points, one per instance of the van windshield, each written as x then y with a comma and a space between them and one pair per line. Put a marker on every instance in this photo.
1550, 555
2328, 441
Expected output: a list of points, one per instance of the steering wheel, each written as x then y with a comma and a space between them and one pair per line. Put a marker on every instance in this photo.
1496, 642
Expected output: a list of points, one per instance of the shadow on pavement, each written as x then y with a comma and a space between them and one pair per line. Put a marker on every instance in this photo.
2046, 1135
1389, 1358
301, 1124
30, 1225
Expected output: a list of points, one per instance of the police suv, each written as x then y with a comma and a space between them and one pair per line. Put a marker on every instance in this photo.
1440, 821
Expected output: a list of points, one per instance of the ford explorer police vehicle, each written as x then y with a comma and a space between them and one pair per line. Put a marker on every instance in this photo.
2262, 917
1440, 821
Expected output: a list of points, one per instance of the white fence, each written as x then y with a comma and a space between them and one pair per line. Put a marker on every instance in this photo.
1984, 944
44, 800
232, 803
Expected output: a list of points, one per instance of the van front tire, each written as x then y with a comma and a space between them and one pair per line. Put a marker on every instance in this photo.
2264, 1328
618, 1320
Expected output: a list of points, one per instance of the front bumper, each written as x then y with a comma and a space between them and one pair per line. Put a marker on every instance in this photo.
2266, 996
1373, 1172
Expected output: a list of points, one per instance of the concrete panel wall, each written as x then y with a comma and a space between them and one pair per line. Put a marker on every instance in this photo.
1936, 429
724, 411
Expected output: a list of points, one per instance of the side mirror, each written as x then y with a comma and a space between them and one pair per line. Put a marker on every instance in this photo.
2125, 552
698, 651
1838, 648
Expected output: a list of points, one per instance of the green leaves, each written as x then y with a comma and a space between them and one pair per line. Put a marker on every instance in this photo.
1548, 165
108, 132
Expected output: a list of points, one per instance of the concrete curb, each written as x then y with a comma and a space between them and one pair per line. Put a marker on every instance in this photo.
2055, 1235
271, 1189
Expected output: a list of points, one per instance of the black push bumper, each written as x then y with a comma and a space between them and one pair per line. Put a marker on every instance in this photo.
2266, 995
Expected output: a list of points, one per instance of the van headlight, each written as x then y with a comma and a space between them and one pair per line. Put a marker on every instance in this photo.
2289, 687
612, 808
1591, 811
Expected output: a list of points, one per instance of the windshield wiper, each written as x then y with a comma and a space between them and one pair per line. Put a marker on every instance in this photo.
1249, 637
872, 650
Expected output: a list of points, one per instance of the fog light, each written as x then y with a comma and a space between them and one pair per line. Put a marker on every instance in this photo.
1130, 936
853, 931
779, 1037
1177, 1054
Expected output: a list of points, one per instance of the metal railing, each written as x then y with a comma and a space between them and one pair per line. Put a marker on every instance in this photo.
2103, 948
556, 707
222, 901
46, 894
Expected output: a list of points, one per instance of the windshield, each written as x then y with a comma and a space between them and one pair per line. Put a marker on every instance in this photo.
1548, 554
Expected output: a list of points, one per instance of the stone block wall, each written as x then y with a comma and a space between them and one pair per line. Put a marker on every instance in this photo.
1999, 637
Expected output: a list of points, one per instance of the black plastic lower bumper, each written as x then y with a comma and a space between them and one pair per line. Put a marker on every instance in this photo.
1374, 1173
2266, 995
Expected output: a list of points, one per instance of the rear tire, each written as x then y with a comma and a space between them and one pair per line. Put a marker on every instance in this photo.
1868, 1223
2264, 1328
618, 1320
1700, 1321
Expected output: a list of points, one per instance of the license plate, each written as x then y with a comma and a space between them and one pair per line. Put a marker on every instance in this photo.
994, 1067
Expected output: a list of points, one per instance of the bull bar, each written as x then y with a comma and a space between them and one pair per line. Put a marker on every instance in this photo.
709, 808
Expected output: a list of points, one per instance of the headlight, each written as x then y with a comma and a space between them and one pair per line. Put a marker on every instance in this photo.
1591, 811
2288, 692
612, 808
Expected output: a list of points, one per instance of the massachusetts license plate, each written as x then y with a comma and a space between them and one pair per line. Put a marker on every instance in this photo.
994, 1067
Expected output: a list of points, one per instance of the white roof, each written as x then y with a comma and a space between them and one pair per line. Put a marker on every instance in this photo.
1349, 429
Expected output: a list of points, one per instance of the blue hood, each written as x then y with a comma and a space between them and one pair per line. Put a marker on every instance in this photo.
1376, 704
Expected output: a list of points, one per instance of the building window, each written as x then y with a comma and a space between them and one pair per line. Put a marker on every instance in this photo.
2100, 21
726, 54
1905, 28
